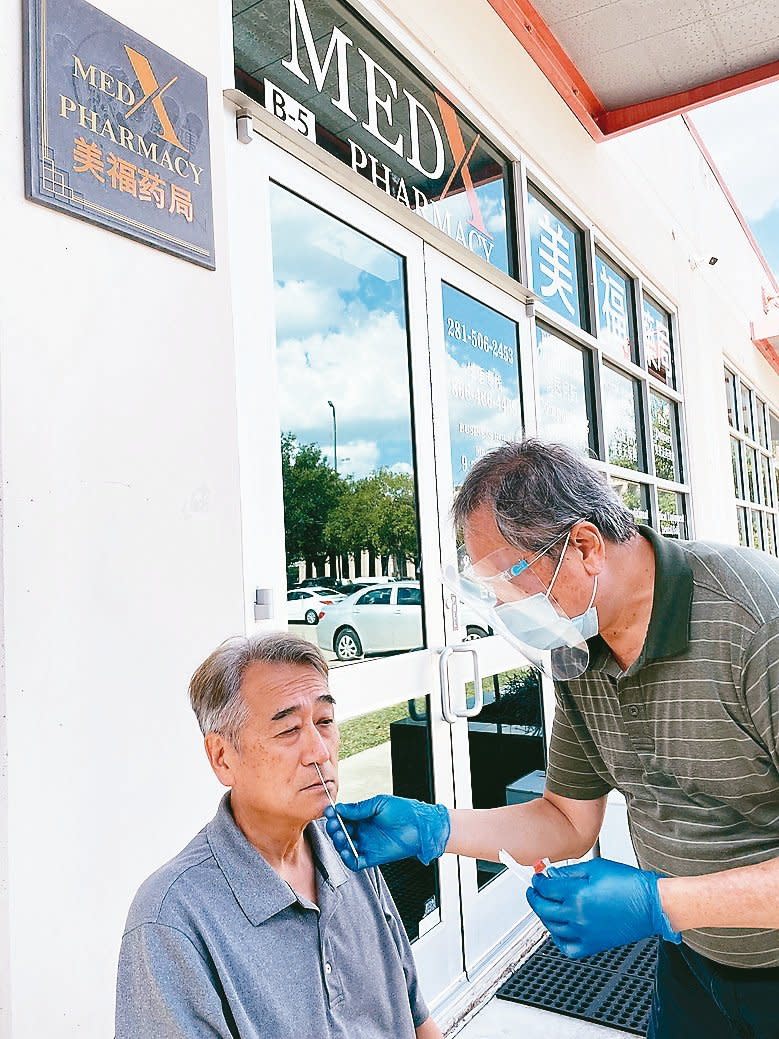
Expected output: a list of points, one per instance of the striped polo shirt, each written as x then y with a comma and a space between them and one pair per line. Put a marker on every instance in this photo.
689, 733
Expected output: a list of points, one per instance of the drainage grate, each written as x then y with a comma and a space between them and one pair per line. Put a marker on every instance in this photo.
612, 988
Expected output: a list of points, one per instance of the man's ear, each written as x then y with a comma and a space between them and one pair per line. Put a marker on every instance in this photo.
591, 545
221, 755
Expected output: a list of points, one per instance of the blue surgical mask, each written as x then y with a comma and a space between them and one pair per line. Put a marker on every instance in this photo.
537, 623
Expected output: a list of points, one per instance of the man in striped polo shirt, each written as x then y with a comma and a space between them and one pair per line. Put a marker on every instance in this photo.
674, 702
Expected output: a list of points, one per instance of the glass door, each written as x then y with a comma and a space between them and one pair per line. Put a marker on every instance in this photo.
481, 364
346, 382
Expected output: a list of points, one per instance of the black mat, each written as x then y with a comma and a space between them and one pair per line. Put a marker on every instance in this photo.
613, 988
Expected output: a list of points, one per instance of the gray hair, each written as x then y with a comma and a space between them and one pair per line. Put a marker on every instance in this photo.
536, 491
215, 688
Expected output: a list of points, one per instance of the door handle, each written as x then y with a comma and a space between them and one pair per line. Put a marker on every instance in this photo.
451, 714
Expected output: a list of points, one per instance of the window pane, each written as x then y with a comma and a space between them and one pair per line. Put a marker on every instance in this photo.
485, 404
757, 540
665, 438
743, 531
621, 422
658, 344
730, 397
506, 744
760, 430
769, 531
773, 424
564, 384
635, 496
672, 518
369, 108
750, 458
557, 258
738, 472
765, 481
388, 751
616, 310
746, 412
344, 398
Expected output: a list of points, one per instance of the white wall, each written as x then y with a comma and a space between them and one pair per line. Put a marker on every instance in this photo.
122, 557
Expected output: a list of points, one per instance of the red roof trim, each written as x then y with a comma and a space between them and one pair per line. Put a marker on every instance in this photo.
527, 25
629, 118
767, 350
542, 45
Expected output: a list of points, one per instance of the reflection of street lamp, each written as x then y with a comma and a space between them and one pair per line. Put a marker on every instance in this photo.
335, 438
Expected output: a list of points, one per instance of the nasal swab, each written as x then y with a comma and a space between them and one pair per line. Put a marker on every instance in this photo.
338, 817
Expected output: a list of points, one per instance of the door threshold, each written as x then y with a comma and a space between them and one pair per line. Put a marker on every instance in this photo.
462, 1002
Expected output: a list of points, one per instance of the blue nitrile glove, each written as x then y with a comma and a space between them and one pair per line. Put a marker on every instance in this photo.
386, 828
598, 905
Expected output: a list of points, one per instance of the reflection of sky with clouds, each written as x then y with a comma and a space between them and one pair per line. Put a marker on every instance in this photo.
341, 336
562, 400
492, 202
483, 389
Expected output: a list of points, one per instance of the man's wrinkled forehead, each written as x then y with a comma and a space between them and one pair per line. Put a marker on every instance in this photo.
271, 687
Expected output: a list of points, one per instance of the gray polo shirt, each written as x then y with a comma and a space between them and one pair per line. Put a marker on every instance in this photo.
217, 945
690, 731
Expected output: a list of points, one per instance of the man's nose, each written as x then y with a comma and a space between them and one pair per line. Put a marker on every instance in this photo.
316, 749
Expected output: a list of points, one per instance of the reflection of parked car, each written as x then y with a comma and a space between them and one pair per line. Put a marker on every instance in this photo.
328, 583
386, 618
305, 604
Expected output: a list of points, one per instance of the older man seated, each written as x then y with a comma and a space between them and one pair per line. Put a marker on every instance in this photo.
256, 929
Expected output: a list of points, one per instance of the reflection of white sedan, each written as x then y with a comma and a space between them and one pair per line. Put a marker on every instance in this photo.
305, 604
386, 618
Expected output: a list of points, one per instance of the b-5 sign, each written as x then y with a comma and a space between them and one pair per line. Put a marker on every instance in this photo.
117, 130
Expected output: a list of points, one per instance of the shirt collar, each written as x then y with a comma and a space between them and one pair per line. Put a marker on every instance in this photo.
258, 888
668, 633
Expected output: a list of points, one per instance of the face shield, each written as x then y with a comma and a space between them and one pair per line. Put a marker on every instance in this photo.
508, 595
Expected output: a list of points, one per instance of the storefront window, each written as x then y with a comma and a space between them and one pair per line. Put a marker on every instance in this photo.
616, 310
388, 752
743, 531
483, 379
658, 343
757, 538
564, 387
557, 258
730, 397
635, 496
621, 419
350, 500
324, 72
746, 413
672, 514
738, 473
769, 530
750, 458
760, 430
665, 438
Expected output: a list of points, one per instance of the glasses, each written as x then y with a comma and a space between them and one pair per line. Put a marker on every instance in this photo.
501, 566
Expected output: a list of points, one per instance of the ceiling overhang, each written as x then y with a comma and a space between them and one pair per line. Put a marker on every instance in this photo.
575, 80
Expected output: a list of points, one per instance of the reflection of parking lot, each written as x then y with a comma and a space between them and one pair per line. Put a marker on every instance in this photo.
308, 632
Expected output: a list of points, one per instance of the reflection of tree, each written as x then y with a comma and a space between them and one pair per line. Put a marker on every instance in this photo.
377, 513
623, 448
311, 491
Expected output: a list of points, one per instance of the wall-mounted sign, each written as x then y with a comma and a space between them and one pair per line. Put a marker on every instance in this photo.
318, 67
482, 359
117, 130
